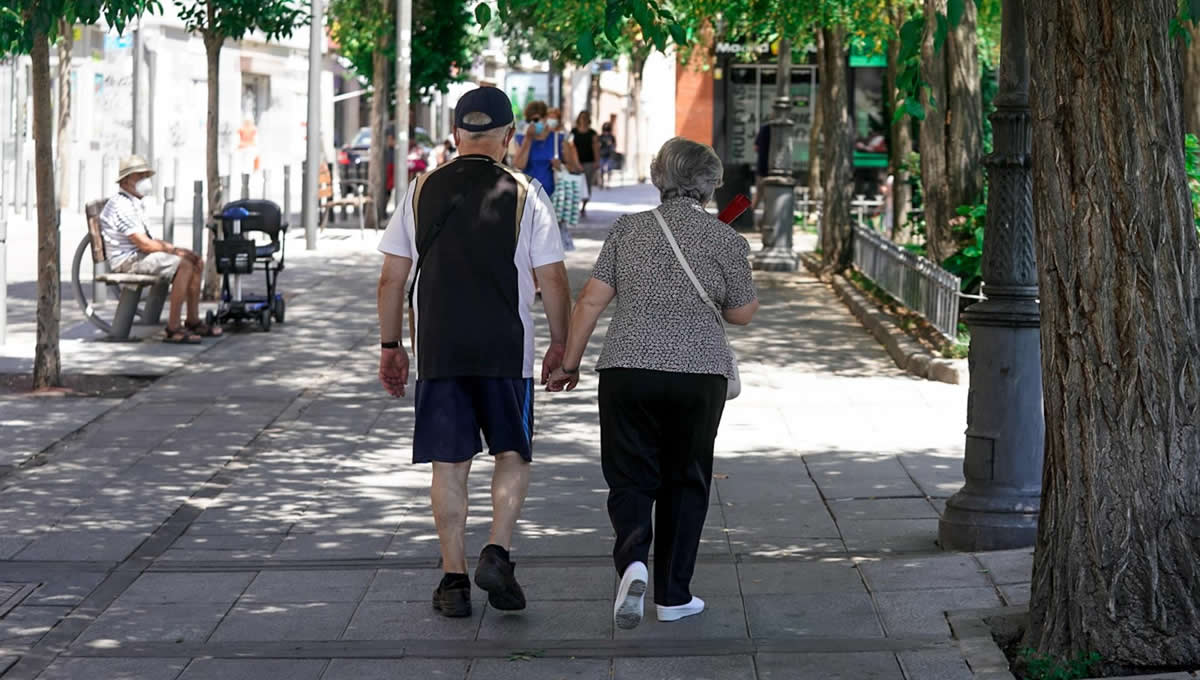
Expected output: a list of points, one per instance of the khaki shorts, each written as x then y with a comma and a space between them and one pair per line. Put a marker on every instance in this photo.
160, 264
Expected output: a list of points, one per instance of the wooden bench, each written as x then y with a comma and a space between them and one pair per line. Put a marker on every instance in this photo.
328, 199
130, 285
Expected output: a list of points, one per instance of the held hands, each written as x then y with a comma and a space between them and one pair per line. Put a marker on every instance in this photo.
560, 380
393, 370
553, 360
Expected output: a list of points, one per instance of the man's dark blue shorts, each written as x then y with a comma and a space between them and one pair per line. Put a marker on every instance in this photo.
451, 412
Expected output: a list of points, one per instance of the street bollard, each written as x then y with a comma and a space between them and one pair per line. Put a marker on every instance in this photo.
304, 196
266, 189
3, 279
245, 185
28, 176
169, 214
198, 219
175, 180
287, 193
223, 191
80, 189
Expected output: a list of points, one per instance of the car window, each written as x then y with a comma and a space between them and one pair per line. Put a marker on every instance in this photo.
363, 138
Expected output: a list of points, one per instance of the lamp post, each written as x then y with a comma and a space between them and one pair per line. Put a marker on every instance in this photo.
997, 508
403, 59
779, 187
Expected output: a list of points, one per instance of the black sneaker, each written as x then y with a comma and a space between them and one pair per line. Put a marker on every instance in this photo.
453, 597
495, 575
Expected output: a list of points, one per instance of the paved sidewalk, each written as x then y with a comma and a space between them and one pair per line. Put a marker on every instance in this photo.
253, 514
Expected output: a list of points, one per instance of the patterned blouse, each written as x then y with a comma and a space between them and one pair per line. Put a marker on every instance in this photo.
661, 323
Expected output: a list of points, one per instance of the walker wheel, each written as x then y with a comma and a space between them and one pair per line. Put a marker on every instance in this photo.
280, 309
210, 319
264, 319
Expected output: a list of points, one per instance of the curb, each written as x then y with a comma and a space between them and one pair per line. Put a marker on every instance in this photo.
908, 354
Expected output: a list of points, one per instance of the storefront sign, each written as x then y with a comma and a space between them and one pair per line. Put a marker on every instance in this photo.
736, 48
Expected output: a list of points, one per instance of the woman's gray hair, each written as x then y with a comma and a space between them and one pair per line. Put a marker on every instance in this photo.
683, 168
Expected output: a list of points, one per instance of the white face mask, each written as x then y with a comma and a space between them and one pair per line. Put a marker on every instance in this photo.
144, 186
552, 123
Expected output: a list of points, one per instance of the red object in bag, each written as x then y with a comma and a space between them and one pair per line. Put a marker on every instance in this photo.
734, 210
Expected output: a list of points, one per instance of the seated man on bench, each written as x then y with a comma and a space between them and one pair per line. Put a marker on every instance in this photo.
131, 250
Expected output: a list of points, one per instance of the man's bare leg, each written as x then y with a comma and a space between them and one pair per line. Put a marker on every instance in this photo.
179, 291
193, 295
449, 496
510, 483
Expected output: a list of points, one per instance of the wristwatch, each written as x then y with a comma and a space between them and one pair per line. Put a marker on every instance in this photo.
394, 344
569, 371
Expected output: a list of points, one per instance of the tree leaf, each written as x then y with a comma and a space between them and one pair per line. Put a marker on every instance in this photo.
954, 11
483, 13
677, 33
586, 45
1193, 11
939, 35
913, 108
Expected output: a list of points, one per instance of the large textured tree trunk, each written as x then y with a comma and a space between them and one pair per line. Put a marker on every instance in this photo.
837, 145
935, 181
1117, 567
376, 171
901, 144
964, 104
66, 33
46, 361
1189, 54
817, 135
212, 51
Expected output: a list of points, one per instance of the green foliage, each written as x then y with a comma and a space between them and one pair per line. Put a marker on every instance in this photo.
967, 263
577, 31
442, 40
234, 19
1192, 160
22, 20
1043, 667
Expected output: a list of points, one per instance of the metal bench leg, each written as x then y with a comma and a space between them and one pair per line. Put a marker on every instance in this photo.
155, 299
126, 308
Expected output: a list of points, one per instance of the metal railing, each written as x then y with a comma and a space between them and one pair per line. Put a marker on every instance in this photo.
918, 283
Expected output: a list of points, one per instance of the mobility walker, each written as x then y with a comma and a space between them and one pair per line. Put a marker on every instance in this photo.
237, 255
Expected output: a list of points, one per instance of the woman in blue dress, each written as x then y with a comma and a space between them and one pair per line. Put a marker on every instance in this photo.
540, 147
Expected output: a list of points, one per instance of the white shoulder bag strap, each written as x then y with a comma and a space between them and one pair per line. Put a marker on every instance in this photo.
735, 385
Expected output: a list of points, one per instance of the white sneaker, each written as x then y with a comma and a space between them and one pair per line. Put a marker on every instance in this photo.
627, 610
680, 611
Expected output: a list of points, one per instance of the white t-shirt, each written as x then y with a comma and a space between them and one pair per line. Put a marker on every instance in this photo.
538, 244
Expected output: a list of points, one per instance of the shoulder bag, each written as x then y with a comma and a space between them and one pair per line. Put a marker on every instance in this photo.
735, 383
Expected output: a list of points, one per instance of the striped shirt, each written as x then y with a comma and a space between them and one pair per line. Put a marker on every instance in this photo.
123, 216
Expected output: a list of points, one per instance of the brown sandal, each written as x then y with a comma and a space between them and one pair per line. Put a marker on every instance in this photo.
180, 336
204, 330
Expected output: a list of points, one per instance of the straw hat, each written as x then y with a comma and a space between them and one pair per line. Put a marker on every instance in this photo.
133, 165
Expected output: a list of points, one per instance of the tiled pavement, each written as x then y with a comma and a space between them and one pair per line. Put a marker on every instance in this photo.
252, 514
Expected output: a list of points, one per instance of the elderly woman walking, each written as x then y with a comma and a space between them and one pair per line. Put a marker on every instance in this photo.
664, 373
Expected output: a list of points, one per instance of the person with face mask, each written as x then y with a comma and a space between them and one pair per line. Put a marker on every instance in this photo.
540, 148
131, 250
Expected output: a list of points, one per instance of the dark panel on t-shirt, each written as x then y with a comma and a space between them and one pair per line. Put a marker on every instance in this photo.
468, 299
583, 146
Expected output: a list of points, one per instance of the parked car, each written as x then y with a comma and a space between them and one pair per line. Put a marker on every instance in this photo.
354, 158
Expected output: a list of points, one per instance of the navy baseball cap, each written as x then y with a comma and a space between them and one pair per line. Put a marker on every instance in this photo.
490, 101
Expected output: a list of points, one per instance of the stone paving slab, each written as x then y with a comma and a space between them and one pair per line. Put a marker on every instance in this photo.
861, 666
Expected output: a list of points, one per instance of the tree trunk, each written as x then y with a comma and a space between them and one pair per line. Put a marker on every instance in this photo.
837, 146
901, 143
66, 32
376, 170
1116, 567
46, 361
1189, 54
817, 134
935, 183
964, 104
212, 51
636, 114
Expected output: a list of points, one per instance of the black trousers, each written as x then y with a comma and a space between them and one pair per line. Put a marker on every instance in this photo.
656, 448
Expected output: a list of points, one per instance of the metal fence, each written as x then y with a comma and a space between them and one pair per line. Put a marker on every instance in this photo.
918, 283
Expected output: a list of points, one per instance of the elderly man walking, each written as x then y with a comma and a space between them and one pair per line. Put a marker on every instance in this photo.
473, 233
131, 250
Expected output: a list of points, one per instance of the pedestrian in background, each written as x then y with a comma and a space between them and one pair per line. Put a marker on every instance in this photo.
586, 144
664, 373
608, 150
473, 232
